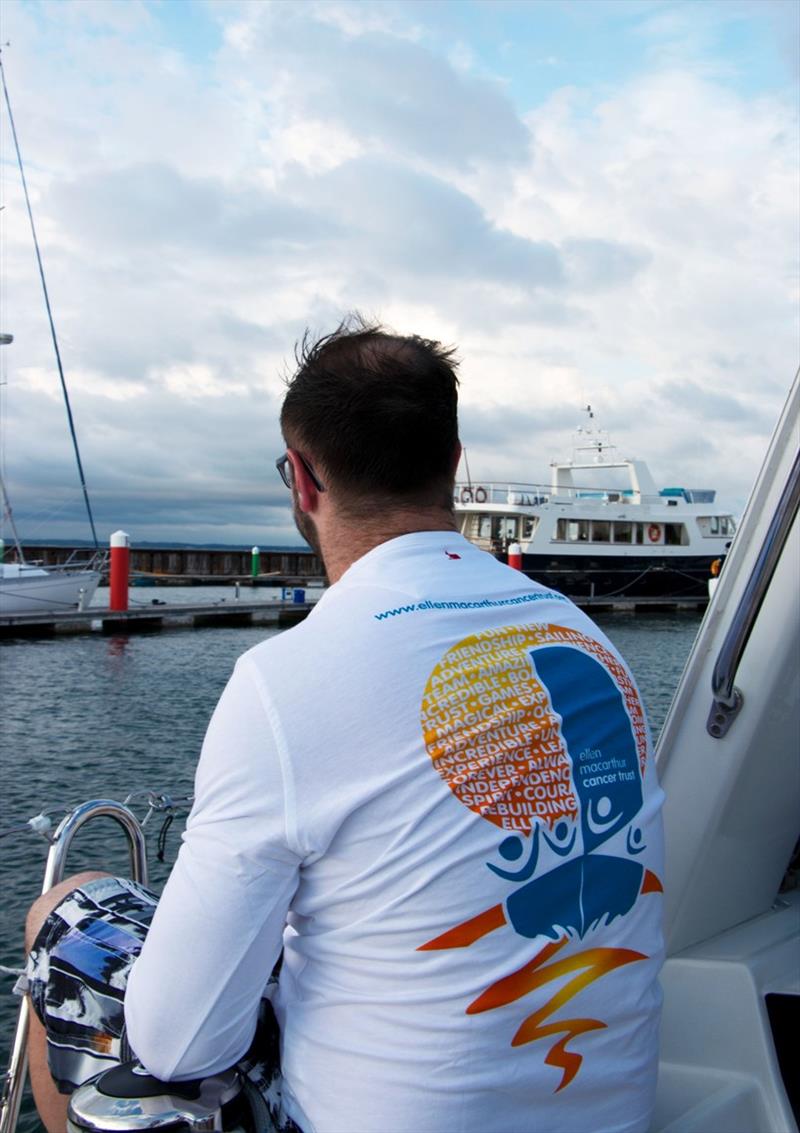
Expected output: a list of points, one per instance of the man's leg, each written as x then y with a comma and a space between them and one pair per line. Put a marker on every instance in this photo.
82, 938
51, 1104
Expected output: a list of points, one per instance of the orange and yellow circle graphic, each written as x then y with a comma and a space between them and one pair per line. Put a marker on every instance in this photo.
492, 734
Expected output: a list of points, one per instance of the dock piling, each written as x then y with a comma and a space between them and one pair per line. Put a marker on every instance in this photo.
120, 571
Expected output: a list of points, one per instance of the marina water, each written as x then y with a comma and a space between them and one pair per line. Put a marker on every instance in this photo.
96, 717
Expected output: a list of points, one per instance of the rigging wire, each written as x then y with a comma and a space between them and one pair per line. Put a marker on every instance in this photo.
49, 311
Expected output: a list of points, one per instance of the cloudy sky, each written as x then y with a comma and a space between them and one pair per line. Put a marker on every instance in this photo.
596, 200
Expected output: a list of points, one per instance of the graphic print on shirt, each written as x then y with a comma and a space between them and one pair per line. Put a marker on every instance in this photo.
539, 730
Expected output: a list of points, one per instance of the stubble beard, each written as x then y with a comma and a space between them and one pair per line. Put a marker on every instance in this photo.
307, 528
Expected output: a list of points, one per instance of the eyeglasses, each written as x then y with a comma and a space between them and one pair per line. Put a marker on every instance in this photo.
285, 470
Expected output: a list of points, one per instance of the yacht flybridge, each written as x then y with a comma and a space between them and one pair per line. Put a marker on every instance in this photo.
601, 528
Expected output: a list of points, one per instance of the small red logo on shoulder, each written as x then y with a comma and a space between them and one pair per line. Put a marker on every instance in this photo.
452, 555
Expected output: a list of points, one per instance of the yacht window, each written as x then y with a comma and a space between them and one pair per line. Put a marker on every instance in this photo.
573, 530
486, 526
675, 535
529, 523
639, 532
504, 527
601, 531
623, 532
717, 525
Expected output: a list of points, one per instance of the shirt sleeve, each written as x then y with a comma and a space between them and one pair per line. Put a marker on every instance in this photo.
192, 999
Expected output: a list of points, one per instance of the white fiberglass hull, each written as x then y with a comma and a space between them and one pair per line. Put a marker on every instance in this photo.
44, 592
727, 761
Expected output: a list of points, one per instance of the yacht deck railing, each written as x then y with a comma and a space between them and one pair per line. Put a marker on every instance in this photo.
533, 495
501, 492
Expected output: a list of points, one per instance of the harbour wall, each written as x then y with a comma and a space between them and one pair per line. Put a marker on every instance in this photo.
183, 566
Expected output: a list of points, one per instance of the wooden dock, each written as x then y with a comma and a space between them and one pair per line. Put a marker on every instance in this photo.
641, 605
152, 618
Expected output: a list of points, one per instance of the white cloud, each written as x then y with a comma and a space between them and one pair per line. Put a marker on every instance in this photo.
394, 94
196, 380
356, 19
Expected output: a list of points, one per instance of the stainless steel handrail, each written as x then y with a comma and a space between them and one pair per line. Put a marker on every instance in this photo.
728, 699
69, 826
54, 873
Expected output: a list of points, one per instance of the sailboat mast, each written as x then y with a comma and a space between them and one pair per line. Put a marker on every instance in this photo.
49, 311
6, 340
9, 515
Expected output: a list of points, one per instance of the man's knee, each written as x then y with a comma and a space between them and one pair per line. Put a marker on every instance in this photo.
44, 905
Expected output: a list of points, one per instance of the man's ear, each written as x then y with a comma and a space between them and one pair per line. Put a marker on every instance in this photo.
305, 490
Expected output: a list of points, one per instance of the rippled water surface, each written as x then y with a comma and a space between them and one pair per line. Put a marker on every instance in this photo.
93, 716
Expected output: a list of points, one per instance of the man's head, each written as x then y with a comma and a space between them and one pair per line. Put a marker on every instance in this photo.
374, 415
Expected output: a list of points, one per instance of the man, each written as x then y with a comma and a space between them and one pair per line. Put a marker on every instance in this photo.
434, 797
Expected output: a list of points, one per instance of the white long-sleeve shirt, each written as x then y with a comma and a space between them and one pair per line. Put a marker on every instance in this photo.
440, 779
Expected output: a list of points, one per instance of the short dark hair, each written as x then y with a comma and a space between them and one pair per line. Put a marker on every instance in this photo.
378, 413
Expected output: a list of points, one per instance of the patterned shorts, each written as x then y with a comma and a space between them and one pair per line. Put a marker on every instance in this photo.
76, 976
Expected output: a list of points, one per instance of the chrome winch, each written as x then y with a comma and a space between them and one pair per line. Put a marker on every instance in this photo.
127, 1098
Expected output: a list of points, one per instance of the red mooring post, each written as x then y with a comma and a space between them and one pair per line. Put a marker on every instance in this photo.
120, 570
515, 556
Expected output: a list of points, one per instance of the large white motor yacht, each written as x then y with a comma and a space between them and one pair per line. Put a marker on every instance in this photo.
601, 529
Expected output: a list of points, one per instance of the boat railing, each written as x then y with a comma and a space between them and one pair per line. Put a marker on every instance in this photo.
534, 495
75, 562
501, 492
728, 699
55, 869
97, 560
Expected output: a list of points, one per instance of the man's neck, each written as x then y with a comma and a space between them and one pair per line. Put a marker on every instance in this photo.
347, 541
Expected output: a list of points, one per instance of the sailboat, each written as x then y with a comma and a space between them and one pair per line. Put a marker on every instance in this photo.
25, 587
29, 588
